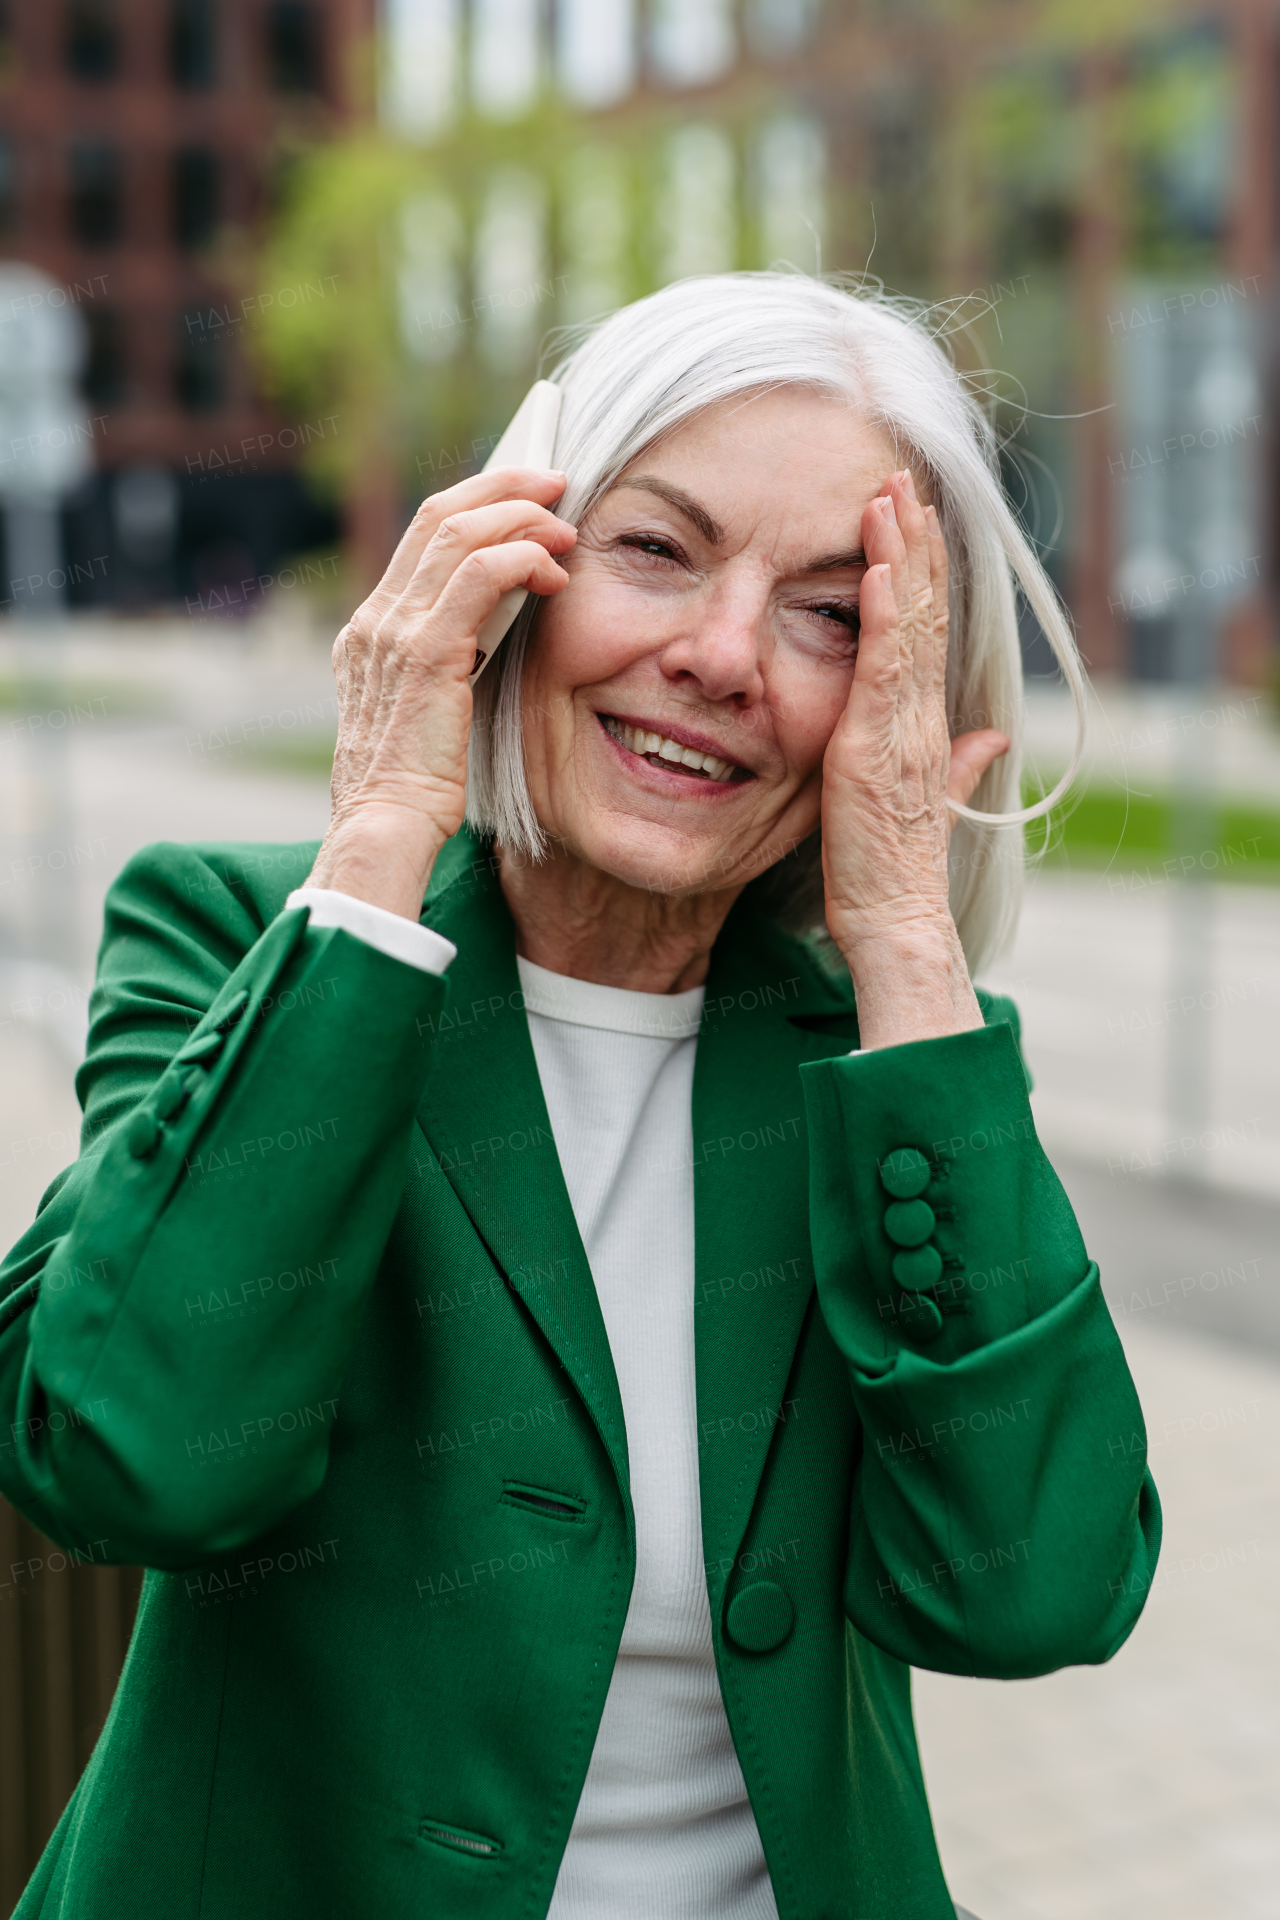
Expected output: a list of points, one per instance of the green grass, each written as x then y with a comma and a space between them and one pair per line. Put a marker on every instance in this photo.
308, 756
55, 705
1109, 828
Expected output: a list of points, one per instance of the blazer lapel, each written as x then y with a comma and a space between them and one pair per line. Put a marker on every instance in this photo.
486, 1121
768, 1009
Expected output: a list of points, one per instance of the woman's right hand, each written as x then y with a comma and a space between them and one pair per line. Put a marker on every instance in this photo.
402, 664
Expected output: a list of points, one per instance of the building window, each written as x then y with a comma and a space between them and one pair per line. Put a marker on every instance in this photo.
432, 324
293, 47
691, 41
195, 196
192, 44
505, 55
698, 205
103, 379
96, 194
510, 283
418, 77
789, 169
596, 49
93, 39
780, 26
199, 383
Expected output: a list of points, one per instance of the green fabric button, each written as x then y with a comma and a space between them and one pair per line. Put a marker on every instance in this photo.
760, 1617
921, 1318
909, 1223
171, 1094
204, 1051
918, 1269
905, 1173
233, 1011
142, 1133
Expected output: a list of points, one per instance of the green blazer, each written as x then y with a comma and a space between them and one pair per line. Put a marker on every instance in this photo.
309, 1332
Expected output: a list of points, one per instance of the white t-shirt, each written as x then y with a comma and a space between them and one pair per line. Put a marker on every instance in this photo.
664, 1826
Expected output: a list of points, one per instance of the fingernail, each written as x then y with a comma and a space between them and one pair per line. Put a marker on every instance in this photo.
911, 485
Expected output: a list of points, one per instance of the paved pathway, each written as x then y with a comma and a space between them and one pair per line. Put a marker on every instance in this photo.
1147, 1789
1124, 1008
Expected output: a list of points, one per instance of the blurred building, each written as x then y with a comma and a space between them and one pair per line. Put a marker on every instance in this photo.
141, 145
1042, 175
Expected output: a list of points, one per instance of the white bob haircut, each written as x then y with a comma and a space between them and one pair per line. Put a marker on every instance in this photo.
641, 373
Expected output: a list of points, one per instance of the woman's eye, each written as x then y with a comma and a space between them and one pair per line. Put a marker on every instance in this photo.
651, 544
844, 615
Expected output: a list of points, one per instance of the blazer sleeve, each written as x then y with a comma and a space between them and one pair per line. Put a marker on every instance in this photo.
1003, 1521
174, 1326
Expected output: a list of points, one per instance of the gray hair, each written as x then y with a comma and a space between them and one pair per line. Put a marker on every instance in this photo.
642, 372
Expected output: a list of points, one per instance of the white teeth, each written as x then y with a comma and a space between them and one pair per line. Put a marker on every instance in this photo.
641, 740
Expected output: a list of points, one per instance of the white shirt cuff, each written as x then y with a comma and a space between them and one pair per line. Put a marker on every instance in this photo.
390, 933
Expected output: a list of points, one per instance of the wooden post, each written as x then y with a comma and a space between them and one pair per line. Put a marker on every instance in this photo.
64, 1631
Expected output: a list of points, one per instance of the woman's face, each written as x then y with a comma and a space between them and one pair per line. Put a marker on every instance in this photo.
711, 617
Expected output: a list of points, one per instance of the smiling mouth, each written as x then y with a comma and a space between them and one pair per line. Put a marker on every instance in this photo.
660, 750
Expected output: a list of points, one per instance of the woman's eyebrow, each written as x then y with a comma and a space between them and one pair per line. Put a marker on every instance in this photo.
835, 562
710, 529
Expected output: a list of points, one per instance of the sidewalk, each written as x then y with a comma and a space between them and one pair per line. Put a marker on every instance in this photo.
1115, 990
1147, 1789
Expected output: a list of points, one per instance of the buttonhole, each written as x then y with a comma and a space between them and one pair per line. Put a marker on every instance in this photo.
556, 1506
478, 1844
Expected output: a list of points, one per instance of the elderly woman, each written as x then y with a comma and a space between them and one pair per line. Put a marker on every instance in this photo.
565, 1338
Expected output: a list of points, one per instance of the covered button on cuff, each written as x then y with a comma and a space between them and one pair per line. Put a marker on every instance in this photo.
905, 1173
918, 1268
909, 1223
142, 1133
760, 1617
171, 1093
203, 1050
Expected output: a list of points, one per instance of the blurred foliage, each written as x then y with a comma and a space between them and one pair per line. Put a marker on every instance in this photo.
337, 216
998, 129
342, 213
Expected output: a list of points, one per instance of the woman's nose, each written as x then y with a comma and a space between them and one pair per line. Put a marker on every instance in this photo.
721, 646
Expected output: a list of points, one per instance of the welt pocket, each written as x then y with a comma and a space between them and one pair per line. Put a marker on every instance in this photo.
478, 1845
544, 1500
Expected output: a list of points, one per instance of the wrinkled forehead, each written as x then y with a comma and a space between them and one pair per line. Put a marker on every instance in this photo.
789, 463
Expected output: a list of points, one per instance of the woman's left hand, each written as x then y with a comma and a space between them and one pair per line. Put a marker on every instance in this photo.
888, 769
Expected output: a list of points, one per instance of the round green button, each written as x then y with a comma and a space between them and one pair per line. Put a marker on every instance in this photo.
170, 1095
204, 1051
905, 1173
909, 1223
142, 1134
760, 1617
922, 1319
918, 1268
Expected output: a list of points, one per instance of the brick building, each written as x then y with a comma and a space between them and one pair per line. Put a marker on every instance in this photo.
141, 141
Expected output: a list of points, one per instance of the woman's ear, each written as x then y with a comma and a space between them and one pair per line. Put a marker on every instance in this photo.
971, 755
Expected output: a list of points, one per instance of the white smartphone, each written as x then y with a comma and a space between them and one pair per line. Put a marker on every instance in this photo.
529, 441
